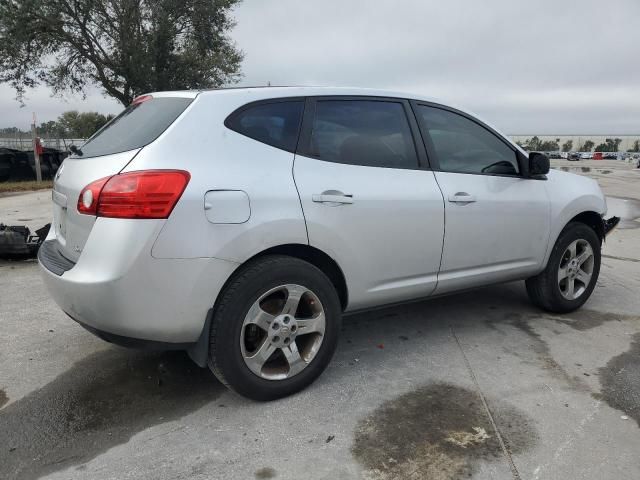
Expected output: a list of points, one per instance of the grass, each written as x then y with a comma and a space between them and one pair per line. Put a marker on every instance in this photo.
25, 186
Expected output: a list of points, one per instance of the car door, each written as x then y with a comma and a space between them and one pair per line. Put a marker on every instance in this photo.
497, 221
368, 200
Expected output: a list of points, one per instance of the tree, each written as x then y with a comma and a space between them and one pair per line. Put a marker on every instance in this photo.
549, 146
532, 144
586, 146
126, 47
80, 125
567, 146
635, 148
610, 145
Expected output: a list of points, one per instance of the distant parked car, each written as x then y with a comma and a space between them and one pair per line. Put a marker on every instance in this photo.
598, 156
573, 156
586, 156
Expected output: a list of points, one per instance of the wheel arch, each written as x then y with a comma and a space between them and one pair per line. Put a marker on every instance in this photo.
317, 258
310, 254
591, 219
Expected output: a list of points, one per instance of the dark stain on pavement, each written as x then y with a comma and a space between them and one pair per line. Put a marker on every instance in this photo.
587, 319
100, 402
3, 398
628, 209
540, 347
620, 381
437, 431
266, 472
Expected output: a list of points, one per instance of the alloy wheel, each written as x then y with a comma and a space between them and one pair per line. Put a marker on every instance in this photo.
576, 269
282, 332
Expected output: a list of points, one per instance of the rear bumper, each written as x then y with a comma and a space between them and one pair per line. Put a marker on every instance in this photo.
130, 342
119, 291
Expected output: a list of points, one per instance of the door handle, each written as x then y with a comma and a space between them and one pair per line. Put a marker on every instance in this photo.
462, 197
332, 198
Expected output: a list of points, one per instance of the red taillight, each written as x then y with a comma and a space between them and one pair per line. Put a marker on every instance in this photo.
88, 200
144, 194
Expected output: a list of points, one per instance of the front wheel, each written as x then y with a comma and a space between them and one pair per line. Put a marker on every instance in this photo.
571, 273
275, 328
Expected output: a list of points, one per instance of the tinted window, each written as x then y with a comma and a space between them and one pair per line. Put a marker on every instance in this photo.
464, 146
360, 132
275, 124
137, 126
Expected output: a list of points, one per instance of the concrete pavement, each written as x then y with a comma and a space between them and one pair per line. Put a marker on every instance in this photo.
477, 385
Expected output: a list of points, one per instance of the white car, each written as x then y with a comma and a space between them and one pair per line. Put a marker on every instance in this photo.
240, 224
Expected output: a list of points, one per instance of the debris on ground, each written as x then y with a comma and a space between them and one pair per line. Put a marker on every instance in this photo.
464, 439
17, 242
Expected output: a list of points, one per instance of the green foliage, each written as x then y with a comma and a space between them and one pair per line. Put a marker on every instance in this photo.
127, 47
635, 148
79, 125
536, 145
610, 145
586, 146
567, 146
71, 124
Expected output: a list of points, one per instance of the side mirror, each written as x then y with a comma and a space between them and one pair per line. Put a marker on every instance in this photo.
538, 164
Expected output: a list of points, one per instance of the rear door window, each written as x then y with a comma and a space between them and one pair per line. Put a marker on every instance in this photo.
138, 125
274, 123
363, 132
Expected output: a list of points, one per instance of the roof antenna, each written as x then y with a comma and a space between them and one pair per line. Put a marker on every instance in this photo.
268, 83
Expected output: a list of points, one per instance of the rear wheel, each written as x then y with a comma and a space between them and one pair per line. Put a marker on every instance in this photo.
572, 272
275, 328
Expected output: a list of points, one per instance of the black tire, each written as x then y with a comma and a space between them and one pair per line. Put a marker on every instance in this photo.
544, 290
247, 285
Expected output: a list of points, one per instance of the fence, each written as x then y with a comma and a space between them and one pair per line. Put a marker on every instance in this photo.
24, 142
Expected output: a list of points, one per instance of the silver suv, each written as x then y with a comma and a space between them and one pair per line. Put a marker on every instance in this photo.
240, 224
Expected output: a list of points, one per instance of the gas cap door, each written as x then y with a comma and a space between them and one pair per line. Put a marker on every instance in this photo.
227, 206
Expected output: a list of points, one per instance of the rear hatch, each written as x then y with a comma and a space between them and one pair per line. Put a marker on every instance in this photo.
105, 154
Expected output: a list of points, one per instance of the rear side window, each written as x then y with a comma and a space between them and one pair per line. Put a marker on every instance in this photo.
363, 132
274, 123
138, 125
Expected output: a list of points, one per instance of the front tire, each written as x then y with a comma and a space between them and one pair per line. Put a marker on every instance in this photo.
275, 328
571, 273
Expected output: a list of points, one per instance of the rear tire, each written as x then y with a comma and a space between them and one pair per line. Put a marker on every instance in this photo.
275, 328
571, 273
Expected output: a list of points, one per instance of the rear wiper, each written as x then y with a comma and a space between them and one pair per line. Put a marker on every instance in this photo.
75, 150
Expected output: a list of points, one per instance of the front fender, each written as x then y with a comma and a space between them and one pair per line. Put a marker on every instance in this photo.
571, 195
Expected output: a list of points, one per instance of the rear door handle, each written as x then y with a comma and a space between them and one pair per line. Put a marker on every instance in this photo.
332, 198
462, 197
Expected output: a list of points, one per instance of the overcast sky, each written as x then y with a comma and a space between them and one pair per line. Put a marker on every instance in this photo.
544, 66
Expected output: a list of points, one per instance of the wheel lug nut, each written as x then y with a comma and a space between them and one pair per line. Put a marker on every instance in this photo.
276, 339
276, 326
293, 328
286, 341
286, 320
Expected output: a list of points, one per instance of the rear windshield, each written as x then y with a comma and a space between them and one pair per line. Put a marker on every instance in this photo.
137, 126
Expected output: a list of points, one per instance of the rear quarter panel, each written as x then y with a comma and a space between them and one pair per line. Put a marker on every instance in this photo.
220, 159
